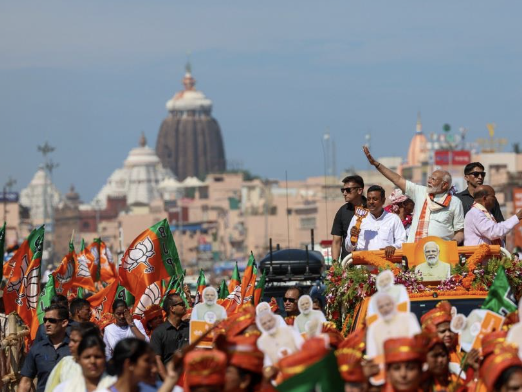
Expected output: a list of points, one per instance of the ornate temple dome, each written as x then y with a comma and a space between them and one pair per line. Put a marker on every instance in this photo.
138, 180
189, 141
40, 196
418, 151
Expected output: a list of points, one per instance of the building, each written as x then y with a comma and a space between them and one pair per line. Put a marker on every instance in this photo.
189, 141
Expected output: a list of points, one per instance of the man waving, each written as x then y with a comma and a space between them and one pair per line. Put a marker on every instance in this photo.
437, 212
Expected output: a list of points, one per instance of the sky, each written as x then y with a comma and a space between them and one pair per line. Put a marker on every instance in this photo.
90, 77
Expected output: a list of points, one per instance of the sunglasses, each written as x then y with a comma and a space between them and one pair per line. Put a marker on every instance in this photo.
349, 190
291, 300
476, 174
51, 320
179, 304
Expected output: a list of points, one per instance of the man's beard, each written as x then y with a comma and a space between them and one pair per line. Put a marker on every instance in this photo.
435, 190
389, 316
431, 262
271, 331
209, 303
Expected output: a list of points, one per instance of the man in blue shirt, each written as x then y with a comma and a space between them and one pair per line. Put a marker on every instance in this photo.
45, 354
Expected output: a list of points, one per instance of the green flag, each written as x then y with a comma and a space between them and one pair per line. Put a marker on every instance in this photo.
321, 376
80, 293
223, 290
260, 289
500, 298
2, 243
44, 301
172, 287
124, 294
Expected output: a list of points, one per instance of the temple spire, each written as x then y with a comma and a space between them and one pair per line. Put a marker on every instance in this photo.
143, 140
418, 128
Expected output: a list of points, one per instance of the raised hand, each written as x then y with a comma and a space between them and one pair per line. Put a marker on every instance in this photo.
369, 156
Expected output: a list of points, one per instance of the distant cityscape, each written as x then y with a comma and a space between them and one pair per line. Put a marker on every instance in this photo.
218, 215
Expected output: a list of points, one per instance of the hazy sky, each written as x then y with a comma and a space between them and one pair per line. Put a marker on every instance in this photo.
90, 76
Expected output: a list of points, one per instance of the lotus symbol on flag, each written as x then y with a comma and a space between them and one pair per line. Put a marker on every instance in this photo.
151, 296
236, 295
139, 255
26, 286
83, 269
99, 309
65, 278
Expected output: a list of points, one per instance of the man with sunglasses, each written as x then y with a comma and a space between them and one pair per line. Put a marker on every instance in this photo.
172, 335
474, 175
352, 190
44, 355
290, 304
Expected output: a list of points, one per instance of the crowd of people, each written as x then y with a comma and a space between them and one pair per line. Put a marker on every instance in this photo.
256, 349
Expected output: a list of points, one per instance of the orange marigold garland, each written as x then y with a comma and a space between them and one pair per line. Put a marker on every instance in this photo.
472, 262
377, 261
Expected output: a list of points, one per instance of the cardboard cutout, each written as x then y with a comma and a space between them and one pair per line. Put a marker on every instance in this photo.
472, 328
209, 311
385, 284
276, 340
308, 315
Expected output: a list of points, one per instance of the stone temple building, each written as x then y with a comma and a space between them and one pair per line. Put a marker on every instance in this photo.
189, 141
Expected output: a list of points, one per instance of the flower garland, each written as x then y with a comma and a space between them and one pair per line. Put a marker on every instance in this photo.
472, 261
370, 258
346, 288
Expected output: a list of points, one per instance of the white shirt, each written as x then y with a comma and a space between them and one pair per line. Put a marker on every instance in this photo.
114, 333
443, 223
377, 233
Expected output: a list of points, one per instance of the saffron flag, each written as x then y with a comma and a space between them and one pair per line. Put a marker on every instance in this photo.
251, 287
23, 284
101, 302
247, 276
260, 289
102, 268
151, 296
124, 294
201, 284
233, 300
82, 278
235, 281
2, 243
63, 275
46, 295
151, 257
500, 299
223, 290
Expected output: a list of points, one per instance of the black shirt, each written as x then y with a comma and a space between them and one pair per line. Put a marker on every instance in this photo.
167, 339
467, 201
41, 360
342, 221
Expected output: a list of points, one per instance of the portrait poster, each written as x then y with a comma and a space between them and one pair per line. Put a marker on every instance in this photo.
431, 258
480, 322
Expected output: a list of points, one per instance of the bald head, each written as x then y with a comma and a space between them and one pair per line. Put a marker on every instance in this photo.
485, 195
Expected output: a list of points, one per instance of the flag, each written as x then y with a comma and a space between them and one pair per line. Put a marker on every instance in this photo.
23, 284
102, 267
260, 289
124, 294
44, 301
201, 284
80, 293
500, 299
321, 376
151, 257
82, 278
151, 296
247, 277
235, 281
251, 287
63, 275
223, 290
101, 302
2, 243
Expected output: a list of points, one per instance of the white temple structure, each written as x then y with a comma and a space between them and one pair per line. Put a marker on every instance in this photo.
138, 180
40, 197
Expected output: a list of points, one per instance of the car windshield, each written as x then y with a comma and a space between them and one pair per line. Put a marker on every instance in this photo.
463, 305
